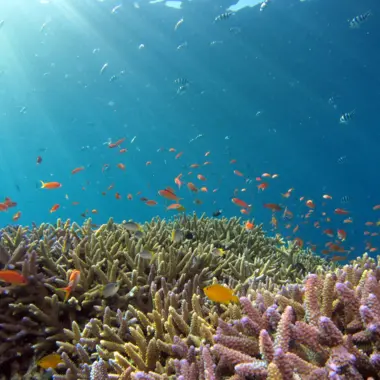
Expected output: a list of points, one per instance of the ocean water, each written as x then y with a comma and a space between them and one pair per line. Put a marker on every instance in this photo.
265, 88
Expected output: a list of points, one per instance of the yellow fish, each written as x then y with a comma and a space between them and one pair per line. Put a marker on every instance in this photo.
220, 293
50, 361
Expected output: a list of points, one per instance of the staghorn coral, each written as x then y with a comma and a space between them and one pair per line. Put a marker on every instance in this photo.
159, 325
34, 317
260, 338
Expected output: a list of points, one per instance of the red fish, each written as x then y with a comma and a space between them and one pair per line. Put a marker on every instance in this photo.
262, 186
77, 170
117, 143
13, 277
341, 211
168, 193
342, 235
54, 208
240, 203
273, 206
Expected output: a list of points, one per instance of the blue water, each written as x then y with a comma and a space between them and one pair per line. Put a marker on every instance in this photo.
260, 96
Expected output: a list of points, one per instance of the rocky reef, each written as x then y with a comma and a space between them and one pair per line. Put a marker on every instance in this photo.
299, 317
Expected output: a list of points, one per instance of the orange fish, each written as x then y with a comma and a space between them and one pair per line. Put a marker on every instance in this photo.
249, 226
341, 211
377, 207
13, 277
8, 201
192, 187
150, 203
342, 235
240, 174
262, 186
221, 294
298, 242
148, 163
338, 258
310, 203
204, 189
121, 166
54, 208
240, 203
94, 211
172, 150
117, 143
16, 216
168, 193
244, 211
207, 163
233, 161
50, 185
177, 181
175, 206
273, 206
77, 170
50, 361
3, 207
117, 196
201, 177
124, 150
73, 282
178, 155
194, 166
326, 196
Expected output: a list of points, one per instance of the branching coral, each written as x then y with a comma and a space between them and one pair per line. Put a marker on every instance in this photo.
160, 325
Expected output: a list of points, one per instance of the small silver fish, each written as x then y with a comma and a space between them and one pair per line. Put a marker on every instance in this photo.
223, 16
358, 20
104, 67
111, 289
346, 117
146, 253
132, 226
181, 90
177, 236
178, 24
139, 234
182, 45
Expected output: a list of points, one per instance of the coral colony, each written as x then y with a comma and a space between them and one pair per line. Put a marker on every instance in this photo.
125, 301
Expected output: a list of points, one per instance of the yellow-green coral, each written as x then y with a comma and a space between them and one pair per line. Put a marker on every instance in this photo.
159, 312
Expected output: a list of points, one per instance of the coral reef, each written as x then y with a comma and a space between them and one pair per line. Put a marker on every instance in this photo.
160, 325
